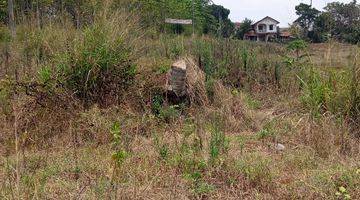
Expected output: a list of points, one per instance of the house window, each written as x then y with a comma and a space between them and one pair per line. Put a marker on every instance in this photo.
271, 27
261, 27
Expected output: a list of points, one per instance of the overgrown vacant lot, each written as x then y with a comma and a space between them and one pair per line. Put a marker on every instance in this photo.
85, 115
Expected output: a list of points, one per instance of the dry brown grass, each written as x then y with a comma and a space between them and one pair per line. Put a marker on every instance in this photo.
332, 54
69, 152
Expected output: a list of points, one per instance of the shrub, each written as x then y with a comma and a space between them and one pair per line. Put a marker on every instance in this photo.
297, 46
98, 67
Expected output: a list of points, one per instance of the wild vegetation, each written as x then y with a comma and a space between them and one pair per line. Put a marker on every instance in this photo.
85, 115
339, 21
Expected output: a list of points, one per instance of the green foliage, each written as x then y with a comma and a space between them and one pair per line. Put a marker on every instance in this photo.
337, 181
45, 75
5, 35
297, 46
208, 18
209, 86
332, 91
344, 19
120, 155
203, 188
115, 130
307, 15
170, 113
322, 28
245, 58
241, 140
164, 151
245, 27
267, 131
204, 51
224, 27
163, 69
219, 144
339, 20
256, 169
6, 92
314, 94
166, 113
156, 104
251, 102
176, 49
98, 64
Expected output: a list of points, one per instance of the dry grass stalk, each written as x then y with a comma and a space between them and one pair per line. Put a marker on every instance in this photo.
195, 80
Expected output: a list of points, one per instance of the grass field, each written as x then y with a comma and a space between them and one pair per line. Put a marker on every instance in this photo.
83, 115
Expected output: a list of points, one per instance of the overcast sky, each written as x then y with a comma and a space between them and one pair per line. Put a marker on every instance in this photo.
281, 10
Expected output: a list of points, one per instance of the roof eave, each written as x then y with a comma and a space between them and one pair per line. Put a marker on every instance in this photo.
265, 18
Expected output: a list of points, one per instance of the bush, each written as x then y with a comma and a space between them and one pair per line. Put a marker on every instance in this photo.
98, 68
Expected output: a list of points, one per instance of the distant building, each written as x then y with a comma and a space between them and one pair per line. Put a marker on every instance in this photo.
267, 30
284, 34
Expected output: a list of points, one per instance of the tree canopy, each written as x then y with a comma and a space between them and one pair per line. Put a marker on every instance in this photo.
338, 20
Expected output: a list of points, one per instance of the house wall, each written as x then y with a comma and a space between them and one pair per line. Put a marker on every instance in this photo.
267, 22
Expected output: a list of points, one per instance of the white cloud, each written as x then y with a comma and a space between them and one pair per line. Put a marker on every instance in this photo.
282, 10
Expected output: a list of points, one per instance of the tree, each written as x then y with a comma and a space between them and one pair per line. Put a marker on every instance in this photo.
323, 26
245, 27
11, 17
154, 12
345, 20
307, 16
223, 27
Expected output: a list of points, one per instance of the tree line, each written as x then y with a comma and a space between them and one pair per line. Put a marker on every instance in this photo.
208, 18
340, 21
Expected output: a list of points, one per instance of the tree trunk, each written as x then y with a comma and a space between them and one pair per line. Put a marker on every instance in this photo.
12, 26
11, 17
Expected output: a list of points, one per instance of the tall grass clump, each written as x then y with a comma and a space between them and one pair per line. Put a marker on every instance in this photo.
334, 91
99, 66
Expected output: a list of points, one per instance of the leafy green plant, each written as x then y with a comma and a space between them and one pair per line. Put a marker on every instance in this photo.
297, 46
164, 151
342, 193
156, 104
120, 155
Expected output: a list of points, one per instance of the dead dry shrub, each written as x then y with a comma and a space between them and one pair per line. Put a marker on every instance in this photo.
43, 118
195, 84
